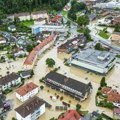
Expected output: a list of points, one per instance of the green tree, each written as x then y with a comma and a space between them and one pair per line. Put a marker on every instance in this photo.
41, 87
29, 48
103, 83
83, 20
50, 62
98, 46
78, 107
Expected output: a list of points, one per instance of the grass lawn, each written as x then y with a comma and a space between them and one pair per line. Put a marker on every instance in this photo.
28, 23
118, 56
64, 12
104, 35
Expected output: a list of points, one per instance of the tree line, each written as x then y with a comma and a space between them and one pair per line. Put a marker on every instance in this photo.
16, 6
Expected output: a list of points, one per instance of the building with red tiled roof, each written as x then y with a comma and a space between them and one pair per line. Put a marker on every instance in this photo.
112, 95
56, 18
31, 58
70, 115
25, 92
39, 49
106, 90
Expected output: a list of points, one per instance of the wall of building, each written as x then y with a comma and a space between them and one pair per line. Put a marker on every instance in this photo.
10, 84
27, 96
23, 18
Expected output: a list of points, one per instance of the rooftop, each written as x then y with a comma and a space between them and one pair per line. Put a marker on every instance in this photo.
29, 107
71, 41
25, 73
94, 57
29, 60
26, 89
70, 115
8, 78
69, 82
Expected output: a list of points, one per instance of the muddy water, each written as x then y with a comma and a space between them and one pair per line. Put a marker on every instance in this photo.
41, 70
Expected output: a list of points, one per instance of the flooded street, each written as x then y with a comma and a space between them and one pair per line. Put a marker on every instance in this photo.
41, 70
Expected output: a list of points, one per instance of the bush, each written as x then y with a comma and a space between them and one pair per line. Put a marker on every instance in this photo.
7, 91
14, 118
41, 87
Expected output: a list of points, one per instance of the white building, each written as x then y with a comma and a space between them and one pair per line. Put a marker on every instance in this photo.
23, 16
27, 91
93, 60
12, 28
30, 110
9, 81
112, 4
39, 14
48, 27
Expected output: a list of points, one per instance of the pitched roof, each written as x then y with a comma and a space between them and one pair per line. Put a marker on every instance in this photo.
29, 60
26, 89
70, 115
106, 90
29, 106
26, 73
57, 17
8, 78
114, 98
69, 82
22, 14
38, 12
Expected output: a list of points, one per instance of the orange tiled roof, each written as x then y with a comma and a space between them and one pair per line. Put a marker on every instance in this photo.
26, 88
71, 114
55, 18
105, 90
29, 60
114, 98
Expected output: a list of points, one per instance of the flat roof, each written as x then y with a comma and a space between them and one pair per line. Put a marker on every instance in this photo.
94, 57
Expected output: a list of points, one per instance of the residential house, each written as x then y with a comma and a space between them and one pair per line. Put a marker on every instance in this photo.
56, 19
92, 17
17, 52
31, 109
26, 74
9, 81
77, 89
115, 38
72, 44
39, 49
70, 114
39, 14
2, 40
40, 21
12, 28
112, 95
116, 20
27, 91
23, 16
116, 113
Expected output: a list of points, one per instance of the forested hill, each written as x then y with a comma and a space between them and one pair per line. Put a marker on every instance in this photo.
15, 6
